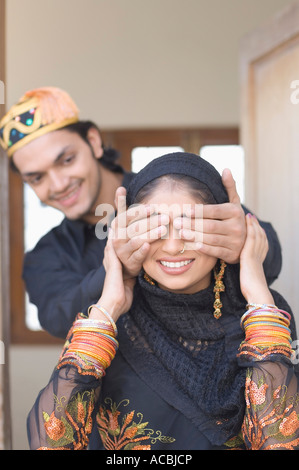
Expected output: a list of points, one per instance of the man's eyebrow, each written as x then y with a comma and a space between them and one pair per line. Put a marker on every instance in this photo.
57, 159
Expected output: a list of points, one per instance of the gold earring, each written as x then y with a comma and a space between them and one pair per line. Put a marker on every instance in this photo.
219, 287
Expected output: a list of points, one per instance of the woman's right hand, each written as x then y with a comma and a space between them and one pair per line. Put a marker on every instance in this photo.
117, 294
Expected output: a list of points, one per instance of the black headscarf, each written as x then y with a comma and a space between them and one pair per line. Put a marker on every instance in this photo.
182, 164
173, 341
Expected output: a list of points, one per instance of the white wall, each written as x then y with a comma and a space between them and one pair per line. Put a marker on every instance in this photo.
31, 367
135, 62
127, 63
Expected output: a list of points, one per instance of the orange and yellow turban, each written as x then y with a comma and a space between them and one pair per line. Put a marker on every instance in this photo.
39, 111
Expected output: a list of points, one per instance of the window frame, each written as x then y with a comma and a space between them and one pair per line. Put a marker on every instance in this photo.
124, 140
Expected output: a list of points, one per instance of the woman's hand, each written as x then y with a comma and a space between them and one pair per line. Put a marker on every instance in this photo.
117, 295
253, 283
134, 230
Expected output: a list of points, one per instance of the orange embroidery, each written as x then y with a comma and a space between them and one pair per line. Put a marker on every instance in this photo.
123, 433
69, 427
289, 425
257, 394
54, 427
270, 422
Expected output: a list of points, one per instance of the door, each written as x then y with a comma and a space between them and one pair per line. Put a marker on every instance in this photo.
269, 70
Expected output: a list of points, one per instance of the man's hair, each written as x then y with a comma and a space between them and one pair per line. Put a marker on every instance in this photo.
81, 128
110, 156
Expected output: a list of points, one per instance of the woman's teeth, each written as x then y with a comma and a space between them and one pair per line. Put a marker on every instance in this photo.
177, 264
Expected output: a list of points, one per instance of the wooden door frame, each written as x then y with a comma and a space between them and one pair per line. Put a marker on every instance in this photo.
190, 139
5, 418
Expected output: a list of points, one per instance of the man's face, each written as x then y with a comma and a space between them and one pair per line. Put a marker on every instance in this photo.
62, 170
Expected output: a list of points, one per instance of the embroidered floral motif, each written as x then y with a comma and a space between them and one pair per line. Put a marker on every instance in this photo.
289, 425
257, 392
122, 432
270, 421
69, 427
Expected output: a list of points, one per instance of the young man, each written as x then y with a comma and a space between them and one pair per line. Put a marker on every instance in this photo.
64, 161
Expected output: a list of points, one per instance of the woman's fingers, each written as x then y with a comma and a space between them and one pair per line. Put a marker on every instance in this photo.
139, 221
148, 227
256, 243
252, 278
110, 257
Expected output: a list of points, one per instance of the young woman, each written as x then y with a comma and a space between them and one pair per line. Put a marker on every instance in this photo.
194, 354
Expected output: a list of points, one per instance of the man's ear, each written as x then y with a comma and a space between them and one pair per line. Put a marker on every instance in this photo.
95, 140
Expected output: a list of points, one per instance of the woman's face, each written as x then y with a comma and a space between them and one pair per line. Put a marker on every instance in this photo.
187, 272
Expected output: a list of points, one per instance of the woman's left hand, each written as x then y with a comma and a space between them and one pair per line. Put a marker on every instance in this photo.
253, 282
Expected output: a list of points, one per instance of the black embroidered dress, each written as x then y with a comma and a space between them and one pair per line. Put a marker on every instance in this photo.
169, 389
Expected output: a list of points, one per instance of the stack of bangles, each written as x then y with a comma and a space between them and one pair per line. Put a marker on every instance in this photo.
92, 345
267, 332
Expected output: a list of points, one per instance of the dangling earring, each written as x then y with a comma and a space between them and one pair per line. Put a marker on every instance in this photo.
219, 287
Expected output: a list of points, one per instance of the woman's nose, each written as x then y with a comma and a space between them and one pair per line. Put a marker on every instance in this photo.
172, 244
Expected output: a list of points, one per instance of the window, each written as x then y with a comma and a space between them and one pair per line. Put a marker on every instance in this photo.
38, 220
220, 156
227, 156
141, 156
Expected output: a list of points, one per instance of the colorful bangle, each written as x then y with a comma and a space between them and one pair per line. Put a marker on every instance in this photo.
267, 332
107, 315
265, 309
92, 345
94, 324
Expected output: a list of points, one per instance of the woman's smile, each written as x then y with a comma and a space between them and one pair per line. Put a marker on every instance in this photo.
173, 266
165, 263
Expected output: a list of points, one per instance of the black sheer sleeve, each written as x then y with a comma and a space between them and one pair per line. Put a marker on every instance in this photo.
62, 416
272, 407
271, 419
